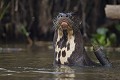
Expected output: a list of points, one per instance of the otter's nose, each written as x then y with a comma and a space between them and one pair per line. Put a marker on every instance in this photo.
64, 25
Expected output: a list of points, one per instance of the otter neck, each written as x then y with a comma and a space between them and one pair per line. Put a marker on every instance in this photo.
65, 46
66, 34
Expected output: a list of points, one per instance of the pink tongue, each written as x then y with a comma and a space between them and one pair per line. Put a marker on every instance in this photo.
64, 24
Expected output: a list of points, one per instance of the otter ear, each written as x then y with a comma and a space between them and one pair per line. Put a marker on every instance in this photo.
77, 15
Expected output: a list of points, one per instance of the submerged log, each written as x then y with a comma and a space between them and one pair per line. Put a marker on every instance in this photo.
112, 11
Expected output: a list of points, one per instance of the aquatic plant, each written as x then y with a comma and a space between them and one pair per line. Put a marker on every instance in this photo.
102, 38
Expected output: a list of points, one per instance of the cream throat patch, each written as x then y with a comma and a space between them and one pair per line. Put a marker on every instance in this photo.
64, 46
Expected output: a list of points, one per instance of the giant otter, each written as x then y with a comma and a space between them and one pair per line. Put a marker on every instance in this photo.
68, 42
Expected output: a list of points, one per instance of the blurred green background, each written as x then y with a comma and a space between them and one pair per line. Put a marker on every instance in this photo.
29, 21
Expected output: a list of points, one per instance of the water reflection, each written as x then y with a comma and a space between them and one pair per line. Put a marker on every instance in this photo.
18, 62
66, 73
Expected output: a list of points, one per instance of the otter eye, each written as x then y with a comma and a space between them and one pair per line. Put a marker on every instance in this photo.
67, 15
59, 16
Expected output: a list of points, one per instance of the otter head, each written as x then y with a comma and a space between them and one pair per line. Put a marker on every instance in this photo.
67, 21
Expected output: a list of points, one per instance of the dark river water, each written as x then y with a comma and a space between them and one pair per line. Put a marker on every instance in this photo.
21, 62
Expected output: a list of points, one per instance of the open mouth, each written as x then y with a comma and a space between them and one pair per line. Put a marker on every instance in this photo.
64, 25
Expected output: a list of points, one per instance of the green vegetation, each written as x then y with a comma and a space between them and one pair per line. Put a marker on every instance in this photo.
3, 11
117, 27
24, 31
104, 37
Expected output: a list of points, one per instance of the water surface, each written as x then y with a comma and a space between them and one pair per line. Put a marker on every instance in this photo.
20, 62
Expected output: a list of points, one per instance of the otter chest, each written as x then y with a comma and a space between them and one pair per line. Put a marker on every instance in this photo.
64, 47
